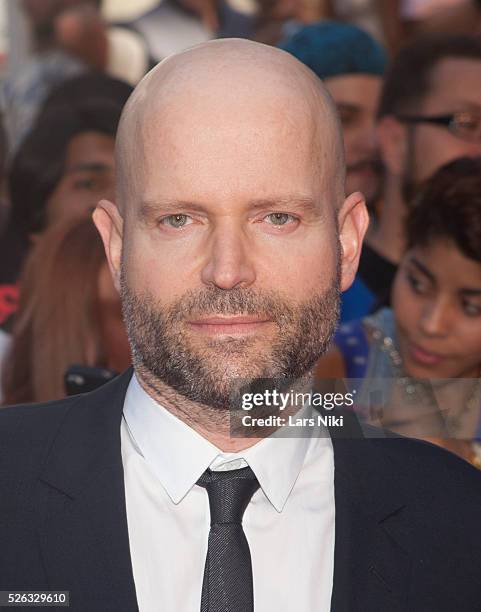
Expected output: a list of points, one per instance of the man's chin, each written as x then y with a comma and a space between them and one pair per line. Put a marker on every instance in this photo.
230, 363
227, 344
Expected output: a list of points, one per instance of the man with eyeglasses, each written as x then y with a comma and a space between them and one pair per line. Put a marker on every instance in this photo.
429, 115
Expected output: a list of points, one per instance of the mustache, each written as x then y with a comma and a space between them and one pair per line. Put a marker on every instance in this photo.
236, 301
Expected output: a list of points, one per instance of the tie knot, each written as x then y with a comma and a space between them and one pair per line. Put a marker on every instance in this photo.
229, 493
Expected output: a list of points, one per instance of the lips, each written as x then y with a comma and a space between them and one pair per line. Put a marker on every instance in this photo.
423, 356
229, 325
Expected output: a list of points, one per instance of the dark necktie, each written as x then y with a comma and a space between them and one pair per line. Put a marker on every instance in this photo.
227, 585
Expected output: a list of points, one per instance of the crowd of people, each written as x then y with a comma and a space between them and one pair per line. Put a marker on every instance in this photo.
408, 94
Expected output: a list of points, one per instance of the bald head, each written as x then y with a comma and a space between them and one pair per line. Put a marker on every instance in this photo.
230, 190
229, 96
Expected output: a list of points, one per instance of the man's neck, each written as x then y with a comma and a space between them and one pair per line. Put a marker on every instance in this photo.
211, 423
387, 238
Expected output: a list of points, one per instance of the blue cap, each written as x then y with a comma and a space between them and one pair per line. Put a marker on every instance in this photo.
330, 49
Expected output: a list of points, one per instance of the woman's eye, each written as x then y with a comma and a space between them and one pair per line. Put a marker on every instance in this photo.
415, 283
84, 184
347, 117
472, 310
175, 221
279, 218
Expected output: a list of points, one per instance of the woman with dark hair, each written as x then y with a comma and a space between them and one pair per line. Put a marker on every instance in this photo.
62, 169
421, 359
85, 109
69, 313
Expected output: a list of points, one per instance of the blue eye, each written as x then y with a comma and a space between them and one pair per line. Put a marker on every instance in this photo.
279, 218
175, 221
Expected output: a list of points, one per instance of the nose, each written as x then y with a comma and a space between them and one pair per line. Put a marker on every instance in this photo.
436, 318
229, 264
370, 137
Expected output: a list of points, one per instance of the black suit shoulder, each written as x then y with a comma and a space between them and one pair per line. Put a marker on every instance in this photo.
427, 466
439, 493
27, 430
12, 416
415, 467
35, 424
50, 453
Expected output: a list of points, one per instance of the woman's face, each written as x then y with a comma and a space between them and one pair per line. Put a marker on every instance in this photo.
437, 306
88, 177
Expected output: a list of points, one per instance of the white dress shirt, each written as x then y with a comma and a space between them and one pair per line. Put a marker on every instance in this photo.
289, 522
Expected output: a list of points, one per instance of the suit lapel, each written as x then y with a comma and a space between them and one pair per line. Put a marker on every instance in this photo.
83, 530
371, 568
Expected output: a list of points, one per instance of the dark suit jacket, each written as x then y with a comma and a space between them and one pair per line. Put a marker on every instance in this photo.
408, 515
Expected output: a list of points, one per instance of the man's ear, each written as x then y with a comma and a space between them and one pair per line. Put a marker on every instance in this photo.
353, 220
393, 143
110, 226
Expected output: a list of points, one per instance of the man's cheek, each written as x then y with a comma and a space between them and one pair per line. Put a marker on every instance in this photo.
145, 275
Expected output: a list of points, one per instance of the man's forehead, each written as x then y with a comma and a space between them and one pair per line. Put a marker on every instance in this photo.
229, 73
238, 92
457, 77
223, 88
233, 122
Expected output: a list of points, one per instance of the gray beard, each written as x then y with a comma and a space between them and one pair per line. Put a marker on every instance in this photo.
211, 375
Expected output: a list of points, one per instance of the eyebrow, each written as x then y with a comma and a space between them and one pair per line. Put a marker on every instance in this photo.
307, 205
148, 209
470, 292
463, 291
422, 268
469, 107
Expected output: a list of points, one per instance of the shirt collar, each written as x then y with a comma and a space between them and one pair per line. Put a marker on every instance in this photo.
178, 455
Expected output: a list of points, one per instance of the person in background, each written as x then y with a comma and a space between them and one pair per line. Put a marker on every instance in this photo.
369, 15
69, 37
171, 26
421, 17
69, 313
60, 52
351, 64
61, 170
433, 330
404, 21
278, 19
429, 114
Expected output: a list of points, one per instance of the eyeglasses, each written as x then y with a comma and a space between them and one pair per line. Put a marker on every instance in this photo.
463, 124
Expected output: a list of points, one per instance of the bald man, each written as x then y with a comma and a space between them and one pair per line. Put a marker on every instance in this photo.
229, 242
